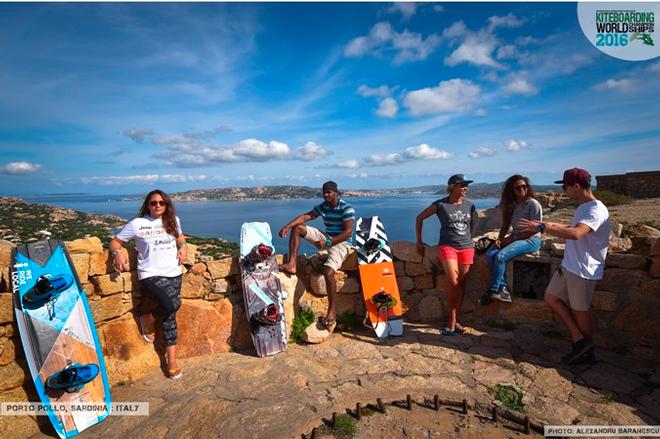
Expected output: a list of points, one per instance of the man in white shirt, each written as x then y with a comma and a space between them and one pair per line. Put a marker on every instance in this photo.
571, 288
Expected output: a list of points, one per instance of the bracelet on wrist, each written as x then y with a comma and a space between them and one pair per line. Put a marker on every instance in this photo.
328, 243
183, 244
115, 252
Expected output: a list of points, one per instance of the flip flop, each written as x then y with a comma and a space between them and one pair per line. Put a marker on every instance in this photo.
148, 337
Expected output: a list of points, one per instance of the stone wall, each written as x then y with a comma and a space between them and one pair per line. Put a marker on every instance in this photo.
212, 317
633, 184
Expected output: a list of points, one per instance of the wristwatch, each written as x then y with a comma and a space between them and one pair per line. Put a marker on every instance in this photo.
540, 228
328, 243
115, 253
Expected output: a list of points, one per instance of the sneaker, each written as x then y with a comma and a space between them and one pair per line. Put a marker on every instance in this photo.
581, 349
174, 374
73, 377
448, 332
485, 299
503, 294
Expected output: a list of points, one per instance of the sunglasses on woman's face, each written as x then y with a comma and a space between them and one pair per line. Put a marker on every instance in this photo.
157, 203
521, 187
463, 185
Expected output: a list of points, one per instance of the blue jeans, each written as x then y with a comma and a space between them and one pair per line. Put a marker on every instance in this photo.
497, 258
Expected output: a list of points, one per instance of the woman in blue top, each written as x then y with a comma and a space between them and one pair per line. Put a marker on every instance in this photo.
517, 202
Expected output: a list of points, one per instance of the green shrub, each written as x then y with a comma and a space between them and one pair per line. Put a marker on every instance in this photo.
300, 322
612, 199
344, 426
509, 396
348, 320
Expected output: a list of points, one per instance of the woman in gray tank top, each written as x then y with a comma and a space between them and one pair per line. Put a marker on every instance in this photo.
455, 249
517, 202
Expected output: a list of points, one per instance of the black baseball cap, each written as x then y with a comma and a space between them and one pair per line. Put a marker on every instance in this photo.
458, 179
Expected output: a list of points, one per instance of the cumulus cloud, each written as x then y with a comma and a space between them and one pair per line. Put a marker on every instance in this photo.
388, 107
519, 85
21, 168
358, 175
426, 152
506, 51
452, 96
381, 91
616, 84
477, 49
482, 152
142, 179
261, 151
516, 145
384, 159
349, 164
138, 135
480, 112
508, 20
407, 46
310, 151
407, 9
457, 29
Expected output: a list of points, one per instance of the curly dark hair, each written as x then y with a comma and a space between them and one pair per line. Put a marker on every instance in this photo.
169, 217
508, 198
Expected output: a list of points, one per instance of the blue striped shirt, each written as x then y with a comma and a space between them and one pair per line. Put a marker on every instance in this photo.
334, 218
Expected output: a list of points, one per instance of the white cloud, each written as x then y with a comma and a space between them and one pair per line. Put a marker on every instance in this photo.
310, 151
408, 46
518, 84
406, 9
655, 67
142, 179
480, 112
349, 164
616, 84
482, 152
477, 49
457, 29
21, 168
138, 134
387, 108
506, 51
508, 20
358, 175
381, 91
384, 159
261, 151
516, 145
438, 8
426, 152
452, 96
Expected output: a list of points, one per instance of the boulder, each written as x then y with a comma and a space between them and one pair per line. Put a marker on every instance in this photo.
399, 268
604, 301
190, 255
487, 220
345, 284
429, 309
204, 328
655, 248
405, 283
642, 231
405, 251
85, 245
81, 265
223, 267
640, 319
423, 282
7, 351
220, 287
623, 260
110, 307
315, 333
194, 286
131, 281
654, 271
651, 288
351, 261
619, 245
108, 284
6, 247
621, 280
6, 308
12, 376
527, 309
198, 268
413, 269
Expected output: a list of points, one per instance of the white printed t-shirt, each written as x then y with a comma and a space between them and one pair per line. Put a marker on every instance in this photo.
586, 256
156, 249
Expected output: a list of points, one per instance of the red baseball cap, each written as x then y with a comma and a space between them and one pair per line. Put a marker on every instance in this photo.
575, 175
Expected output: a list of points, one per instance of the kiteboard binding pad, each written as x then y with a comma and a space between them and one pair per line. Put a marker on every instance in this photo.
59, 338
262, 290
379, 287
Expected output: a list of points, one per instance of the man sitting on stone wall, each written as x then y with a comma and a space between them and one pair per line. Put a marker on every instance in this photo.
338, 217
571, 288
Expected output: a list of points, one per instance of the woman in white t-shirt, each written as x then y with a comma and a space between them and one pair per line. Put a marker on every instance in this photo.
161, 249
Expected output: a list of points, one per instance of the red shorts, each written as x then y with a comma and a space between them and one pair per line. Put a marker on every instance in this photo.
464, 256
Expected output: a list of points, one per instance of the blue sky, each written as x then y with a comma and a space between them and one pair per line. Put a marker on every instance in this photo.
121, 98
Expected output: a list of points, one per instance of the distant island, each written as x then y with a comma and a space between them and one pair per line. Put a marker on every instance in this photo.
289, 192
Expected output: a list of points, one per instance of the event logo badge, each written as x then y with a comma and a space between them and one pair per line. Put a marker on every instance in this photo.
622, 30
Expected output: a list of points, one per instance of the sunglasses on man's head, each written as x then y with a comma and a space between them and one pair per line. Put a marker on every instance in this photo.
521, 186
157, 203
